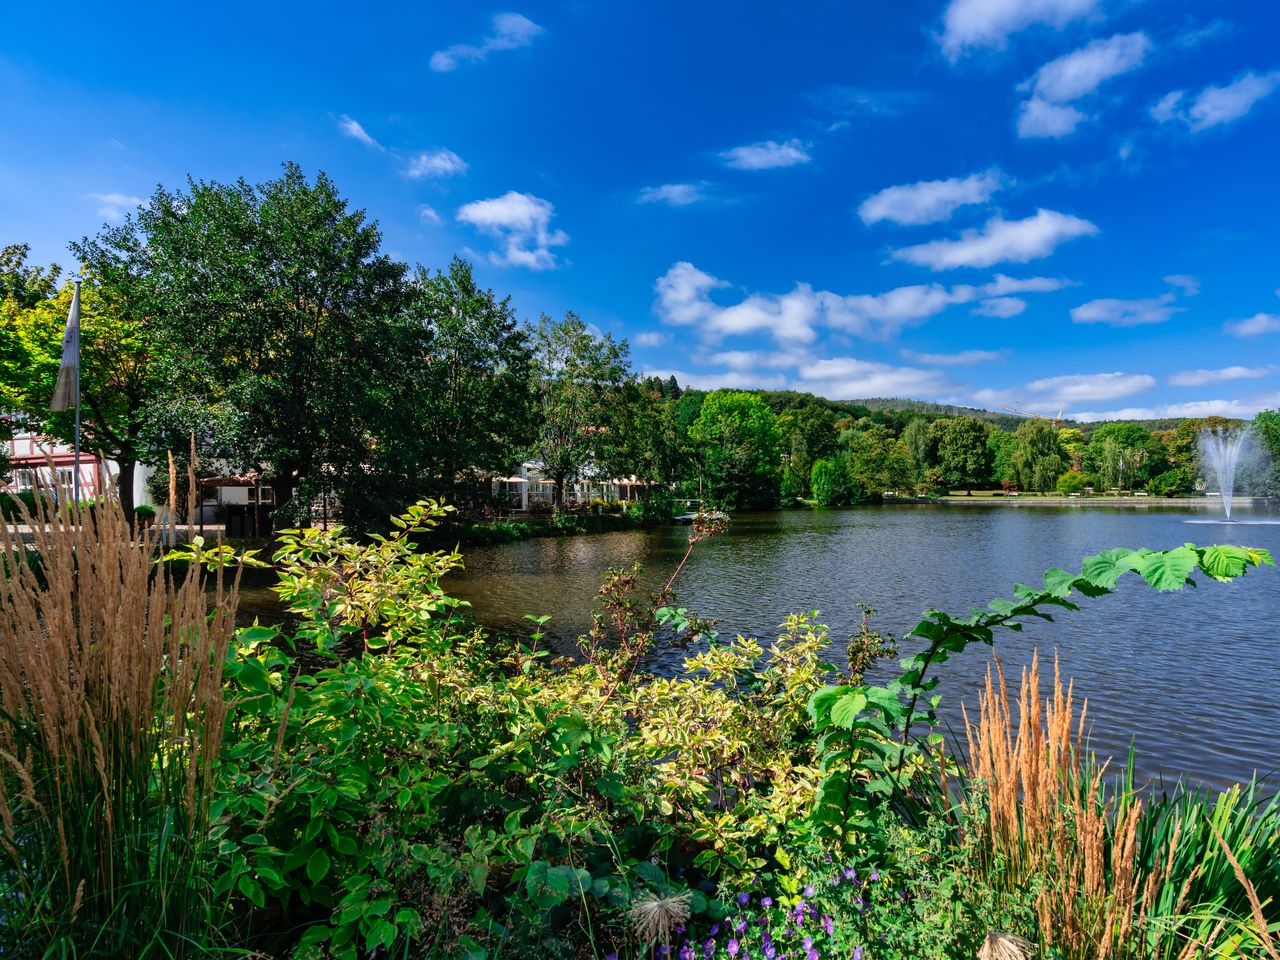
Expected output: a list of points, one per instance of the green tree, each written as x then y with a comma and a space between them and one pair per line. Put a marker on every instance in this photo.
1073, 481
808, 435
1037, 458
919, 442
1266, 426
831, 483
875, 461
963, 453
578, 387
469, 384
123, 381
740, 448
281, 304
1002, 445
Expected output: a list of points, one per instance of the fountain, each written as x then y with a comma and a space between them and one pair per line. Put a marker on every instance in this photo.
1221, 448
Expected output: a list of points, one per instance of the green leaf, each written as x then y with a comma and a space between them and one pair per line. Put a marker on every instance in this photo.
317, 866
1169, 569
1224, 563
845, 711
1105, 568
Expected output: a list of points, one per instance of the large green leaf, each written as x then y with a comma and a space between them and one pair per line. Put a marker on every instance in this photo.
1169, 569
1225, 562
1104, 569
845, 710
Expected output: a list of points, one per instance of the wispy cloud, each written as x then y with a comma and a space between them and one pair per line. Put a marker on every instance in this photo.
114, 206
684, 299
352, 128
673, 194
766, 155
428, 214
1190, 286
432, 164
1050, 394
1002, 308
1000, 241
1127, 313
849, 101
962, 359
510, 32
930, 201
977, 24
1202, 378
1060, 82
1255, 326
1241, 408
523, 223
1217, 105
651, 338
849, 378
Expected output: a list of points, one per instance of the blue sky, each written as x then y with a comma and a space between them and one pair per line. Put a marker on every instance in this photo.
1042, 203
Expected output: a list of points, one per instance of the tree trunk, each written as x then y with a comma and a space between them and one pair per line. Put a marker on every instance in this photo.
124, 485
559, 494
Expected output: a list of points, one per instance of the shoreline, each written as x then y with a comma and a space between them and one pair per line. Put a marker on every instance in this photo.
1193, 503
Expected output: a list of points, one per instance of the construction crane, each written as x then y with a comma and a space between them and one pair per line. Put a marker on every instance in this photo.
1037, 416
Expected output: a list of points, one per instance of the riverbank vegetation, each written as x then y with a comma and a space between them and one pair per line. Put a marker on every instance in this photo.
385, 780
265, 321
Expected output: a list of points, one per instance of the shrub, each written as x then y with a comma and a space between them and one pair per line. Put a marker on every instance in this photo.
1073, 481
1177, 482
144, 511
12, 505
831, 484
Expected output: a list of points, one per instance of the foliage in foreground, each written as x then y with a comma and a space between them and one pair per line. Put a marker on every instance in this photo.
393, 782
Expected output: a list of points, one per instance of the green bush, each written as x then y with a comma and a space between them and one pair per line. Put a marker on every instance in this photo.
9, 504
1177, 482
144, 511
1073, 481
831, 484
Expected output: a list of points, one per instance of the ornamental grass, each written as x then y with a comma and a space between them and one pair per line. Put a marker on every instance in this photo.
1188, 875
111, 717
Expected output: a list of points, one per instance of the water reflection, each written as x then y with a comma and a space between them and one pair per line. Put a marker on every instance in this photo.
1192, 677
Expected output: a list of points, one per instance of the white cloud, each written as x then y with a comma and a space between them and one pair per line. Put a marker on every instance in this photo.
961, 359
684, 299
1000, 307
1127, 313
1202, 378
430, 164
1215, 106
1256, 325
847, 378
510, 31
1000, 241
1190, 286
1082, 71
673, 194
428, 214
766, 155
1047, 113
523, 223
651, 338
721, 379
930, 201
1166, 108
1039, 118
988, 23
1240, 409
115, 205
352, 129
1052, 394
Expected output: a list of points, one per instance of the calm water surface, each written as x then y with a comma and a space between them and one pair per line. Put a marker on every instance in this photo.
1192, 678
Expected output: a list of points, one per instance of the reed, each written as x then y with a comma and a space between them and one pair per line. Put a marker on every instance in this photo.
1187, 876
111, 717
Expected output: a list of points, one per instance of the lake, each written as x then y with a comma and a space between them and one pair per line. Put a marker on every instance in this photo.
1193, 678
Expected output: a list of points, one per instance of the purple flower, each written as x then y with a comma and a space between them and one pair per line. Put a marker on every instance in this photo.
709, 948
811, 955
715, 928
808, 890
875, 876
850, 873
733, 948
744, 898
770, 952
611, 956
828, 925
767, 902
857, 953
686, 952
787, 931
808, 943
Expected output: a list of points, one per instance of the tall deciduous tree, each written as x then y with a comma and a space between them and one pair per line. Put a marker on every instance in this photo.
578, 384
1037, 458
740, 446
962, 451
919, 443
282, 303
469, 381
